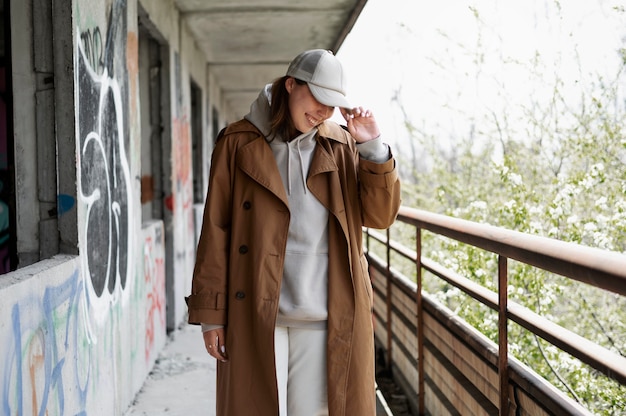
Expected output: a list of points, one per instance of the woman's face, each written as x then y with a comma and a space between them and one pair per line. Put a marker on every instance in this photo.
306, 112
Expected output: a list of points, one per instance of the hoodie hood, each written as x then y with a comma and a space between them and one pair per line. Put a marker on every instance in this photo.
293, 157
259, 114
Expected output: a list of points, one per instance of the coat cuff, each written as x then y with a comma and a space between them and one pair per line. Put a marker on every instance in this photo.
380, 175
204, 308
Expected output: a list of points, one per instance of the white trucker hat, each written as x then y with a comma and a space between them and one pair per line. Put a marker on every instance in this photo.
324, 74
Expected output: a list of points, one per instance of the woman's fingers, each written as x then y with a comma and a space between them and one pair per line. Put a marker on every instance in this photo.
214, 343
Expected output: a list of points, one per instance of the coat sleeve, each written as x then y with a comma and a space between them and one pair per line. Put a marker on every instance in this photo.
209, 287
379, 192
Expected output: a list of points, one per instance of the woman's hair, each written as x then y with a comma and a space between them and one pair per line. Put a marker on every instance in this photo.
281, 124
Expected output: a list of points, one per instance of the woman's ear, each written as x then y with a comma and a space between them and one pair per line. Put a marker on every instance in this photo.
289, 82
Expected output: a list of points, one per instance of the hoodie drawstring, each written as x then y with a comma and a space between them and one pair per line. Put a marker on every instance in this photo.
302, 168
288, 168
303, 172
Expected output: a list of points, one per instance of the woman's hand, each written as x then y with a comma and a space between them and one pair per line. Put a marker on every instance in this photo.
214, 343
361, 124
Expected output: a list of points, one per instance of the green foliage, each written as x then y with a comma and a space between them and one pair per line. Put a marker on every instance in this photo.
562, 174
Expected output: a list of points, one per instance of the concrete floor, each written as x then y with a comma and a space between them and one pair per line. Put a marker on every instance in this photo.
182, 382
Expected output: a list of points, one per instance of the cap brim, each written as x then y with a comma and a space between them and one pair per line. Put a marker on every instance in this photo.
328, 97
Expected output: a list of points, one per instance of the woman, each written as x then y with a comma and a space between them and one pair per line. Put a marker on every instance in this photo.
280, 285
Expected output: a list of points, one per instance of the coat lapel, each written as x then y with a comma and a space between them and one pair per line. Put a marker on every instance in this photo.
324, 182
257, 161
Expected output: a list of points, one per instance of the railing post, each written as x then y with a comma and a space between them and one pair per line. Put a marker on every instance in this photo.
388, 302
420, 322
503, 342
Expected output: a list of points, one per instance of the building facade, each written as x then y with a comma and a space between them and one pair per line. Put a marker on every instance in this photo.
109, 112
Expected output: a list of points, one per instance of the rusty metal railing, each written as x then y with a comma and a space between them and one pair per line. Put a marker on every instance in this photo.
599, 268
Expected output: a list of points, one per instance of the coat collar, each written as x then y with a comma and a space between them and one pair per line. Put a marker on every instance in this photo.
333, 131
257, 160
328, 129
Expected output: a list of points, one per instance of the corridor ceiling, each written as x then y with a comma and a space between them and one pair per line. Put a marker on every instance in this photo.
249, 43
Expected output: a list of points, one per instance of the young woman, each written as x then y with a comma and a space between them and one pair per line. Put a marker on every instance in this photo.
281, 285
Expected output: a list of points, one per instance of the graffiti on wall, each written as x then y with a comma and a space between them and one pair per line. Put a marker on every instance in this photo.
46, 352
93, 47
66, 341
182, 206
55, 362
154, 280
103, 132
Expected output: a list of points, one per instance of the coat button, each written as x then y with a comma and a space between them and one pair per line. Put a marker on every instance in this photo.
243, 249
247, 205
240, 295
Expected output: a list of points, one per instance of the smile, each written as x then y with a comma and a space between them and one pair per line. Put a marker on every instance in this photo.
313, 121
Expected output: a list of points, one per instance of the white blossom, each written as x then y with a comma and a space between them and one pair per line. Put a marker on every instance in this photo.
601, 241
590, 227
515, 179
597, 169
601, 203
588, 182
510, 204
478, 205
535, 227
556, 212
602, 220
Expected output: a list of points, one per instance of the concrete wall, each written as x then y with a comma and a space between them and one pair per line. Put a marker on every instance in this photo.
66, 351
180, 201
80, 332
24, 125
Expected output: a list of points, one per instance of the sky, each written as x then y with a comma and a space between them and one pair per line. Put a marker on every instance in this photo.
451, 59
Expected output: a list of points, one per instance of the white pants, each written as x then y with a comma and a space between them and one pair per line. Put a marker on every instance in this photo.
301, 371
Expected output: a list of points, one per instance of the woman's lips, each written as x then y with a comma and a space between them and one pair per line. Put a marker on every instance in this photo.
312, 120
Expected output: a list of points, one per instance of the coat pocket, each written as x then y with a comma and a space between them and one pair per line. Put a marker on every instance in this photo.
365, 276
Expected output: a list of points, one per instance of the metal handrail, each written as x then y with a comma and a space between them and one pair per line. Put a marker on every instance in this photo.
599, 268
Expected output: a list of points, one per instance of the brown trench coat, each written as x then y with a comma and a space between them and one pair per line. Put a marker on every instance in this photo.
239, 265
